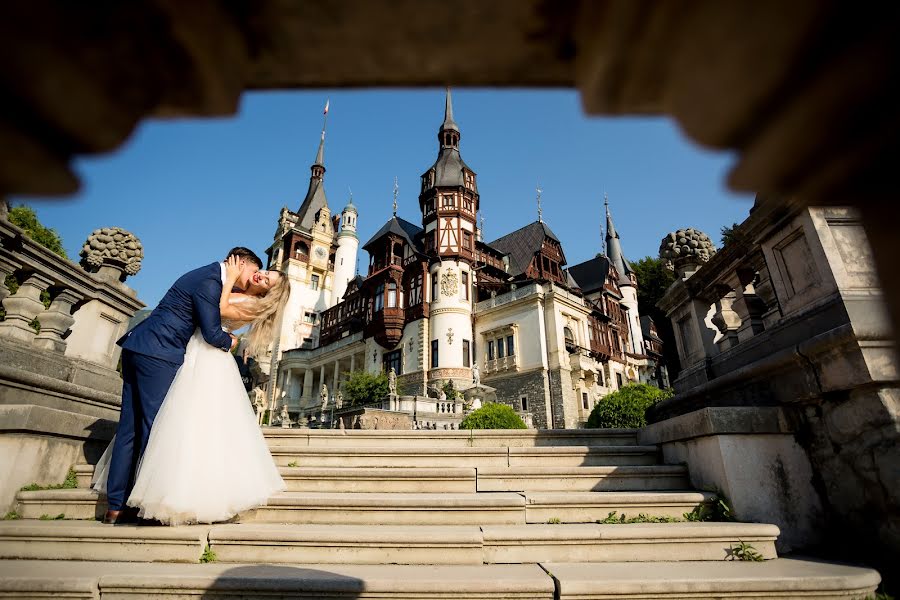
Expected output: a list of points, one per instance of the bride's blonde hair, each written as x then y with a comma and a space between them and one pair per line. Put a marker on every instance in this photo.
264, 312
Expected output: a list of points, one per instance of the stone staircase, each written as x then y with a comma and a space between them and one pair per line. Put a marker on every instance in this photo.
423, 514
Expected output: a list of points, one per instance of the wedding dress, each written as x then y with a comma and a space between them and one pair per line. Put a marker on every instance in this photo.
206, 459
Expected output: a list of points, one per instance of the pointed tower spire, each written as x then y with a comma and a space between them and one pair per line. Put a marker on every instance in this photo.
540, 210
614, 249
448, 134
449, 123
396, 189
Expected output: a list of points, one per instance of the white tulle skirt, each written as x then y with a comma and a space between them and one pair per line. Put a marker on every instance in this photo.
206, 459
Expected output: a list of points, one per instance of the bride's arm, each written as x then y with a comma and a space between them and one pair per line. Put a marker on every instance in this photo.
228, 310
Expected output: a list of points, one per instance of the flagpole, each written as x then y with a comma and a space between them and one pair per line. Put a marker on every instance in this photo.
325, 117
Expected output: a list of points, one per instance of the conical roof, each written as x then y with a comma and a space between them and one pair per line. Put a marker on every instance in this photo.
614, 251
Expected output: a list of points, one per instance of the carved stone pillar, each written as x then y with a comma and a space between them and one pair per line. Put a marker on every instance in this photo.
22, 307
337, 375
766, 292
726, 319
307, 387
56, 320
7, 268
749, 307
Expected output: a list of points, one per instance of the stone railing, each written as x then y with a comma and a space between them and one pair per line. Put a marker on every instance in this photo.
790, 381
511, 296
74, 341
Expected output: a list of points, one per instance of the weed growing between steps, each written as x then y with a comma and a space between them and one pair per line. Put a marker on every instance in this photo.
11, 516
70, 483
554, 521
744, 551
58, 517
614, 519
880, 596
717, 509
208, 555
293, 463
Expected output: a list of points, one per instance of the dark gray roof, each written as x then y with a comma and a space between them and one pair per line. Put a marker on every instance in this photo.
449, 123
591, 274
315, 196
522, 244
408, 231
614, 251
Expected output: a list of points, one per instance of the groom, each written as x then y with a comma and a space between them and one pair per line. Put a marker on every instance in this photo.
151, 355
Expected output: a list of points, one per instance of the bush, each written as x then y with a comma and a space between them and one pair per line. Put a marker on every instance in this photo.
493, 416
363, 387
26, 218
626, 408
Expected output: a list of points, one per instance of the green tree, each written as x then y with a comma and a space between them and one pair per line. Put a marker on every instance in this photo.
653, 281
493, 416
626, 407
728, 233
26, 218
363, 387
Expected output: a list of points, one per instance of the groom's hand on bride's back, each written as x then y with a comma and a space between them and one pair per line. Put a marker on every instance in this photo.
234, 342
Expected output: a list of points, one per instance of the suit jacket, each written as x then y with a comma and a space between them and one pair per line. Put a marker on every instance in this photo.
191, 302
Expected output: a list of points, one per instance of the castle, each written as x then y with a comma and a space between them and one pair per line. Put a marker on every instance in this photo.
437, 299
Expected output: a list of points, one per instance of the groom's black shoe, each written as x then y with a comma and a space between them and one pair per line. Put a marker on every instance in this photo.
120, 517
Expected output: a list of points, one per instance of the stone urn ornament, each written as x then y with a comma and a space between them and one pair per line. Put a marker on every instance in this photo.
112, 253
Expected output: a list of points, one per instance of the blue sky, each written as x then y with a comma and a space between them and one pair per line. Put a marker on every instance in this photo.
191, 189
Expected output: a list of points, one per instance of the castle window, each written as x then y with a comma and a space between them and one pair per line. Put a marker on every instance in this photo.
584, 399
447, 201
510, 346
619, 380
467, 239
392, 295
491, 350
500, 348
434, 354
314, 282
414, 296
434, 284
310, 318
465, 284
467, 202
523, 402
393, 359
570, 339
379, 298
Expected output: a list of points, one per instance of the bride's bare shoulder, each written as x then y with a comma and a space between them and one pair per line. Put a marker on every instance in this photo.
237, 298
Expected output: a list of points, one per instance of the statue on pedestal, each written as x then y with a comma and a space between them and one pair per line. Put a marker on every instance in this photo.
323, 396
339, 399
392, 382
476, 375
285, 417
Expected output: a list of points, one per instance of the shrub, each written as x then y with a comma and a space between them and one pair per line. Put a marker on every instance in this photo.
626, 408
493, 416
26, 218
363, 387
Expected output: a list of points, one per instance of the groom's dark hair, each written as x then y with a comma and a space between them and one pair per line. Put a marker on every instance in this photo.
246, 254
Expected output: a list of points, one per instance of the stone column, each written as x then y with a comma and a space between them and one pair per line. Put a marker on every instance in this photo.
749, 307
307, 384
56, 320
318, 391
22, 307
352, 362
337, 374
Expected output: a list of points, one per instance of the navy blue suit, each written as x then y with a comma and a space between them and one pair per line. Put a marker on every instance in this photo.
151, 355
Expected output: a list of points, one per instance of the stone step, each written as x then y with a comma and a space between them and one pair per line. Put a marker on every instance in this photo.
382, 544
379, 479
583, 479
390, 509
590, 507
347, 544
781, 578
72, 504
132, 581
91, 540
583, 456
485, 438
639, 542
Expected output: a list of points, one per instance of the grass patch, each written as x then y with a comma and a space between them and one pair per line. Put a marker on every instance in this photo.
11, 516
70, 483
58, 517
293, 463
554, 521
208, 555
717, 509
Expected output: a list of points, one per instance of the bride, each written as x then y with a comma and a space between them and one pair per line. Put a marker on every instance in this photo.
206, 459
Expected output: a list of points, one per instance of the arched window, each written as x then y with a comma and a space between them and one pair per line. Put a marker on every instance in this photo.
570, 339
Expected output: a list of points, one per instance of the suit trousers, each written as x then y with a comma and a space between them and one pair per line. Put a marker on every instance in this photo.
145, 382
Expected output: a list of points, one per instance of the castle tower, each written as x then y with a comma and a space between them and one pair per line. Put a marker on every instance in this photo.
627, 283
345, 257
449, 203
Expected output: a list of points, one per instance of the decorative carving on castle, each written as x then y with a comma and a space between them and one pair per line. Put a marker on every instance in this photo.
450, 336
686, 246
449, 283
114, 247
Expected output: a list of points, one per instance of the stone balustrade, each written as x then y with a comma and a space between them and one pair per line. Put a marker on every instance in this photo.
789, 317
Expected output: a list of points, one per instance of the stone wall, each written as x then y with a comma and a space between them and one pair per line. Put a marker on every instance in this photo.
532, 385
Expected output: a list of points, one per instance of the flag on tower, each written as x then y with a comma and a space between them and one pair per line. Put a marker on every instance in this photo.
327, 102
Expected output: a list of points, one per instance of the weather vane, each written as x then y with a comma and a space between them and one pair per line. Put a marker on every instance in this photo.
396, 189
540, 210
